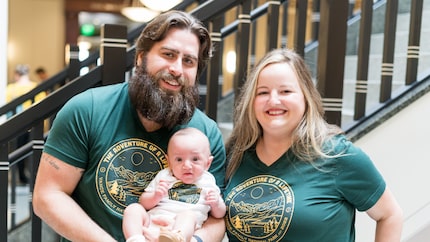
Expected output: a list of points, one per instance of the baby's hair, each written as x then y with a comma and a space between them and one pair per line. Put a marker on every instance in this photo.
192, 133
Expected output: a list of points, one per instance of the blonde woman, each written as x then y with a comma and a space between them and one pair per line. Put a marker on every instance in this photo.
291, 175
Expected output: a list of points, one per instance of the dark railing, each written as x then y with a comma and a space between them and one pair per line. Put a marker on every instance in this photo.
255, 30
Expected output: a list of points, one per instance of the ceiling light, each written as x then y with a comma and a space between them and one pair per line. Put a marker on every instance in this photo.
160, 5
139, 14
231, 62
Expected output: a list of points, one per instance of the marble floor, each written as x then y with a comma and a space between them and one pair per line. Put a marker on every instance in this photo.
21, 209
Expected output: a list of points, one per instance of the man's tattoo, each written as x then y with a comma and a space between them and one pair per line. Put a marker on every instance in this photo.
52, 163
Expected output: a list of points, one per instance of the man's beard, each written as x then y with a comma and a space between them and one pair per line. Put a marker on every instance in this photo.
164, 107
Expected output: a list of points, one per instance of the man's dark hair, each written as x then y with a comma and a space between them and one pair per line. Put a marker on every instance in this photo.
157, 29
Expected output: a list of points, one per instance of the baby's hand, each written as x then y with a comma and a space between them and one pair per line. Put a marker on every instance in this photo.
162, 189
212, 198
215, 201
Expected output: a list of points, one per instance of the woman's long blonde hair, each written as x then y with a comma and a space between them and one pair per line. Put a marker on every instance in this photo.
310, 134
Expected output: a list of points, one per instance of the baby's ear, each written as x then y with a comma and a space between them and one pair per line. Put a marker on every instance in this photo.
209, 162
167, 159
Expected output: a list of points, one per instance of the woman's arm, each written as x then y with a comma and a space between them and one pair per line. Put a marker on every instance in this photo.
52, 201
388, 216
213, 230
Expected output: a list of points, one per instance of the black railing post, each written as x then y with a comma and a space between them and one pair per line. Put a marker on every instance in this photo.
214, 69
4, 169
242, 46
284, 25
315, 19
113, 53
38, 142
300, 26
387, 68
414, 41
12, 195
331, 57
363, 58
74, 64
272, 24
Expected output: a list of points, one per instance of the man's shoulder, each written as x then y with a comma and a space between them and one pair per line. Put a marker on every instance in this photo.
200, 116
201, 121
102, 93
112, 88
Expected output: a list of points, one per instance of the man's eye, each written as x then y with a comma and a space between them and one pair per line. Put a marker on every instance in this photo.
168, 54
189, 62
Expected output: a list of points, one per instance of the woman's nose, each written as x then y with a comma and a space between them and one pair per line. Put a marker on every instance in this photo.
274, 97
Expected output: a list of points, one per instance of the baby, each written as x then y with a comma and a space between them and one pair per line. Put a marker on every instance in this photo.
184, 190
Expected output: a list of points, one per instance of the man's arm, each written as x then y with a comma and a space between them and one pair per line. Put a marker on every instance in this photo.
213, 230
52, 202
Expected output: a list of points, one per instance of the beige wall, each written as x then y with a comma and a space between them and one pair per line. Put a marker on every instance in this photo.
399, 147
36, 35
3, 50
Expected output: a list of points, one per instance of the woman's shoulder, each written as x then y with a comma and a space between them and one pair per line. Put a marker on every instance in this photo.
337, 144
346, 150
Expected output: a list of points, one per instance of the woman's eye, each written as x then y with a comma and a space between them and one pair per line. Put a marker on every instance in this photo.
262, 93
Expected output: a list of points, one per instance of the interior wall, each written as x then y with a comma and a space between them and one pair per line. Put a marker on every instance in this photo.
399, 149
3, 50
36, 35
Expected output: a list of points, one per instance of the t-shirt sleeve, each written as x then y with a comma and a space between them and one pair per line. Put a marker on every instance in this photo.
217, 167
207, 182
358, 179
68, 139
154, 182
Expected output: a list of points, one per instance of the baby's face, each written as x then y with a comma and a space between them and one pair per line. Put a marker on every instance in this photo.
188, 158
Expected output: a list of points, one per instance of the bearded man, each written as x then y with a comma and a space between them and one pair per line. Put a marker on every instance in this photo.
107, 143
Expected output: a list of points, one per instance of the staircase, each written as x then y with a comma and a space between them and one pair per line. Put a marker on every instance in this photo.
376, 50
398, 146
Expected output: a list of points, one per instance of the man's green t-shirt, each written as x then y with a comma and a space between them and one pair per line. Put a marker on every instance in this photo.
99, 131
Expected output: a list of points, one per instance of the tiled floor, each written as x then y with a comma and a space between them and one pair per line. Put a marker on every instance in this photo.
22, 206
22, 229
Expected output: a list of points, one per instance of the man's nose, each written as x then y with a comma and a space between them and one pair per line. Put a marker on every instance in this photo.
175, 67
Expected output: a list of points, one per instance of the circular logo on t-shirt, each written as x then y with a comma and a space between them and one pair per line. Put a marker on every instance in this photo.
187, 193
126, 170
260, 209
